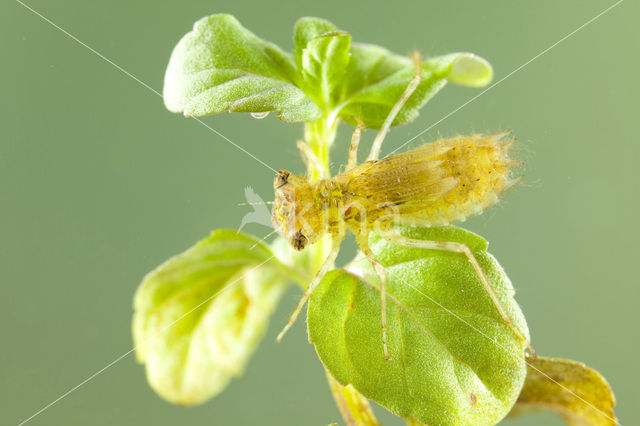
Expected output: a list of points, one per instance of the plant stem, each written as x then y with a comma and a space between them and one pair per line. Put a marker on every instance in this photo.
319, 136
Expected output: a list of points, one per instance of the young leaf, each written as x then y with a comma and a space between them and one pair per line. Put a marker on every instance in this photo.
308, 28
200, 315
579, 394
465, 69
376, 78
322, 55
454, 360
323, 64
220, 66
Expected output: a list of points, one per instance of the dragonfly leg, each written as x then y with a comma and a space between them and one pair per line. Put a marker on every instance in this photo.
456, 247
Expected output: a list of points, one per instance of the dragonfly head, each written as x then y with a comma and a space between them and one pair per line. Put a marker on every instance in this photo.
293, 207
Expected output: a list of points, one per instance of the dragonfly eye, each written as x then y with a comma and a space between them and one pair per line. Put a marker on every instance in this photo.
281, 179
299, 241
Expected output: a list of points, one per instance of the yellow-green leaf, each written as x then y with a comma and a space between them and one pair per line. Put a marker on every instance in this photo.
200, 315
579, 394
355, 408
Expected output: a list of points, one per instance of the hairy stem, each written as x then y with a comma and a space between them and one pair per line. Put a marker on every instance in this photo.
319, 136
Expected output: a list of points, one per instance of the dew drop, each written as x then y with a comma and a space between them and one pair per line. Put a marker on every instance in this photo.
259, 115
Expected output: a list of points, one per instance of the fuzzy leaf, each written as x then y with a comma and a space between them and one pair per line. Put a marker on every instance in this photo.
221, 66
200, 315
308, 28
462, 366
579, 394
322, 55
376, 78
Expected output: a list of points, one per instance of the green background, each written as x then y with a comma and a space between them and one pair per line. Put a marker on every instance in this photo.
99, 184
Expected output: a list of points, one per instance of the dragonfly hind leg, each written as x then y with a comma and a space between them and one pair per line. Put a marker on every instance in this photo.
363, 243
456, 247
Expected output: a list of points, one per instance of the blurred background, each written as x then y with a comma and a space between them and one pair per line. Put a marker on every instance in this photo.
99, 183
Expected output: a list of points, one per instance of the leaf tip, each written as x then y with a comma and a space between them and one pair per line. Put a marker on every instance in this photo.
471, 70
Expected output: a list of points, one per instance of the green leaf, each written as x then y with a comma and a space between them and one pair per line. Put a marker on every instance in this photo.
308, 28
322, 55
200, 315
324, 63
221, 66
363, 81
376, 78
579, 394
465, 69
459, 365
